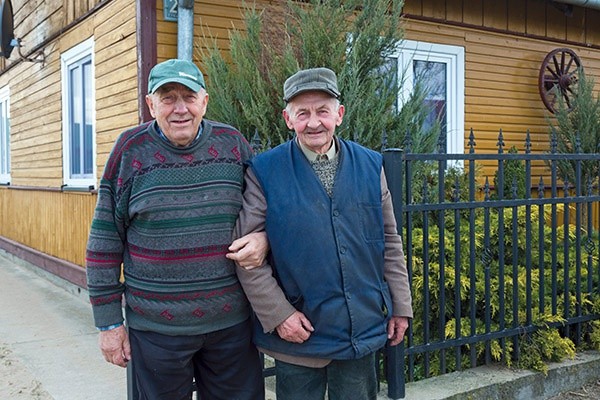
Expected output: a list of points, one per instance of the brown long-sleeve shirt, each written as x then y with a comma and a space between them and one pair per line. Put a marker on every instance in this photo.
266, 296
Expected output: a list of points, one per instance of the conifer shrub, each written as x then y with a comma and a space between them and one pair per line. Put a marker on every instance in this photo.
354, 38
549, 342
575, 128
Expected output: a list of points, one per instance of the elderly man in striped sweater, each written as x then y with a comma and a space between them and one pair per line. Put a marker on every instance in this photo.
167, 204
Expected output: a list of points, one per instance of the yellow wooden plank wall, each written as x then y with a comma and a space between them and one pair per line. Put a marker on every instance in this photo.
116, 74
36, 131
502, 69
501, 83
212, 21
54, 222
501, 88
531, 17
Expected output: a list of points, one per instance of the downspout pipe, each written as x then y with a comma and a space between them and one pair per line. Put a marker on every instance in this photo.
595, 4
185, 29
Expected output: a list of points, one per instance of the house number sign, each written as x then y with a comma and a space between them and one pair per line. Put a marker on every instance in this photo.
170, 10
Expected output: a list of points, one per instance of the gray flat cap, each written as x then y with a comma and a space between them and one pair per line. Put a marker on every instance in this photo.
322, 79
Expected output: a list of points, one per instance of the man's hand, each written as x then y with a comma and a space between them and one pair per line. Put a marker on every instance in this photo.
296, 328
115, 347
250, 250
396, 328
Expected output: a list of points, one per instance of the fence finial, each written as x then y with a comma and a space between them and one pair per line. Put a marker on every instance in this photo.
471, 142
500, 143
527, 142
256, 142
384, 140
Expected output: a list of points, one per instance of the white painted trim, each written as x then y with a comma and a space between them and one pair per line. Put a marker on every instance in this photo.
73, 55
454, 58
5, 132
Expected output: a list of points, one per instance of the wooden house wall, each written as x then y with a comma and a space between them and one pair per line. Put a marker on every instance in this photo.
34, 211
213, 22
505, 44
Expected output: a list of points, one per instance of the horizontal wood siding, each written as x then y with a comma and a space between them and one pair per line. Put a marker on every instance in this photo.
53, 223
502, 68
213, 22
116, 75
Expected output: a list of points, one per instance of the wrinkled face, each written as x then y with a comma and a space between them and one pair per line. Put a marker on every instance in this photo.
178, 111
314, 117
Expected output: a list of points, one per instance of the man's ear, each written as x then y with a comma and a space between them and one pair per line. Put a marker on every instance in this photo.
150, 104
286, 117
341, 111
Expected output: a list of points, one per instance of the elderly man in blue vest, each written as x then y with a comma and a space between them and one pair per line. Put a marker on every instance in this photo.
336, 288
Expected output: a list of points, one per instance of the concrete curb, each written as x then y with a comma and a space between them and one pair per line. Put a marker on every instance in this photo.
501, 383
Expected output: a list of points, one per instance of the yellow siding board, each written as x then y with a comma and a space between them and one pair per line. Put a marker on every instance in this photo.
516, 15
454, 10
412, 7
473, 14
121, 66
44, 172
439, 9
47, 211
592, 33
536, 19
121, 120
115, 43
35, 14
44, 29
495, 14
110, 24
40, 140
556, 24
74, 37
122, 95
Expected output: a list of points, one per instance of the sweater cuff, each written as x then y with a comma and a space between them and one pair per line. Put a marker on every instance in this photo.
110, 327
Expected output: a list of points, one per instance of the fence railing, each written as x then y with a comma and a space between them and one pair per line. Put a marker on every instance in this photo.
490, 263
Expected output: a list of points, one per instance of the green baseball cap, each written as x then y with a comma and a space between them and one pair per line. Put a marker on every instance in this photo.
179, 71
321, 79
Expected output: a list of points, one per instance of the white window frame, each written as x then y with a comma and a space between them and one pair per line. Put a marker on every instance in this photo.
5, 135
69, 58
454, 58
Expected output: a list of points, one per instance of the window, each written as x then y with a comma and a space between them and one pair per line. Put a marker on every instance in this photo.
441, 70
79, 131
4, 136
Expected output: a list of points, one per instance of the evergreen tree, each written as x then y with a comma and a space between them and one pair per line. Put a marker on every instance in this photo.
353, 38
576, 129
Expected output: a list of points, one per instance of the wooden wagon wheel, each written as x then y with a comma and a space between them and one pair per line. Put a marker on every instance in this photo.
560, 70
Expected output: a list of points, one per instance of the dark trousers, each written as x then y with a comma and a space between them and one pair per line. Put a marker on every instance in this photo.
341, 379
225, 365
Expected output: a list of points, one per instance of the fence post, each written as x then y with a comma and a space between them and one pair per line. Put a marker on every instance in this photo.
392, 161
132, 392
392, 164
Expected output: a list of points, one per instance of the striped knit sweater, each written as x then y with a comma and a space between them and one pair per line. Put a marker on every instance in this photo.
166, 215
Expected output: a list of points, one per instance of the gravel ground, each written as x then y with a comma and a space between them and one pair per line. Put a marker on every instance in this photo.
16, 383
589, 391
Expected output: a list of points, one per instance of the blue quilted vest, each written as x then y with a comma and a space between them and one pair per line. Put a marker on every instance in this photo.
327, 253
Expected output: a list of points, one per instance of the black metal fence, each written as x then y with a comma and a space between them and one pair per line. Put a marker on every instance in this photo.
491, 263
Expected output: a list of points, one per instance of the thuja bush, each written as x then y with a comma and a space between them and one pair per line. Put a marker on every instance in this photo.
575, 128
499, 286
355, 38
